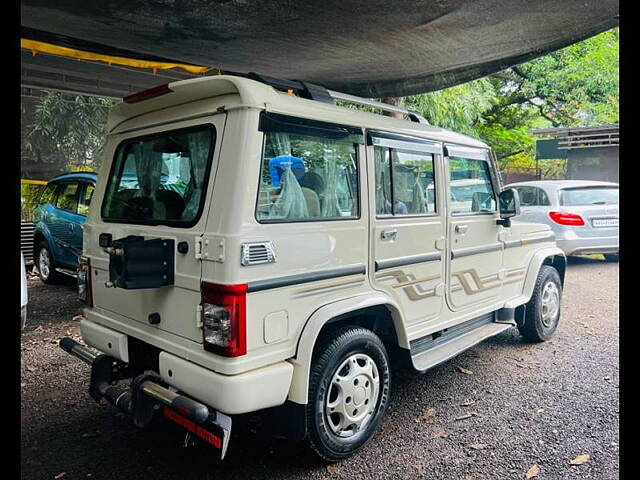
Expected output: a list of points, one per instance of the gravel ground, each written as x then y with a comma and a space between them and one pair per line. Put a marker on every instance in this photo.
530, 405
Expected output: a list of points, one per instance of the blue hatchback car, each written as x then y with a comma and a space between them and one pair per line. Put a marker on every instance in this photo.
58, 218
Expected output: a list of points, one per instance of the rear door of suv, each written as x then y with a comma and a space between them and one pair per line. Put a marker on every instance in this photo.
158, 186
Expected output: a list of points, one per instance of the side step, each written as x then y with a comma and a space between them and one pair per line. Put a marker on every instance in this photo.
429, 351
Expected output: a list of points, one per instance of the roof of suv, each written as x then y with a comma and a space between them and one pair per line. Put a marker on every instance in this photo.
259, 95
75, 176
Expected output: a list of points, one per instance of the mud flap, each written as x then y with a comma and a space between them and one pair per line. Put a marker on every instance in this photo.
216, 431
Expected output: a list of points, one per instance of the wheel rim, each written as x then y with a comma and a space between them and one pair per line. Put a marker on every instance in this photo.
550, 304
352, 395
44, 263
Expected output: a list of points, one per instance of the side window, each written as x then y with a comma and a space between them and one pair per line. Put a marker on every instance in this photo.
304, 177
532, 196
543, 199
48, 194
470, 188
404, 182
528, 196
85, 199
67, 197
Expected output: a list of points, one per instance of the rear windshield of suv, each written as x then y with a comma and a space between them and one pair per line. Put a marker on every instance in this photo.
160, 179
575, 197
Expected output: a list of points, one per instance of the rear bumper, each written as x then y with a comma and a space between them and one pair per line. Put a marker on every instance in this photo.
580, 246
231, 394
147, 395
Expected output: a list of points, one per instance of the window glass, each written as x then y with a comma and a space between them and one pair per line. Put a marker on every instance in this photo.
528, 196
412, 178
590, 196
543, 199
470, 188
48, 194
532, 196
67, 197
161, 178
85, 199
306, 177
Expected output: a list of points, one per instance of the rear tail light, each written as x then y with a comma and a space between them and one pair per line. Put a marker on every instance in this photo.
147, 94
563, 218
224, 319
84, 281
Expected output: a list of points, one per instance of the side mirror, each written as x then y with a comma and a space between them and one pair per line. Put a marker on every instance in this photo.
509, 203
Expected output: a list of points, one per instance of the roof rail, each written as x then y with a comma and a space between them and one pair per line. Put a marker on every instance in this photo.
321, 94
345, 97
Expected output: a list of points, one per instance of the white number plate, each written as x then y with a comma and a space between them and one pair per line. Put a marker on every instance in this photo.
605, 222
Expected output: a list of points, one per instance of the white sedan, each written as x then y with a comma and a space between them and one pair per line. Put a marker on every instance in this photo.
582, 213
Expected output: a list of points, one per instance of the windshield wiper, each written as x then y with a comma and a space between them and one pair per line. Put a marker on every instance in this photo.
599, 203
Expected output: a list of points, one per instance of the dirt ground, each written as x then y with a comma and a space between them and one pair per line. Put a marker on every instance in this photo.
524, 408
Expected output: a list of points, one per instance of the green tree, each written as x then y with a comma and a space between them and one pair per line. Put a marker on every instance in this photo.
575, 86
62, 132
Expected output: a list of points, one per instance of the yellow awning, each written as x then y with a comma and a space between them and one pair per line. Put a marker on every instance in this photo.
33, 182
41, 47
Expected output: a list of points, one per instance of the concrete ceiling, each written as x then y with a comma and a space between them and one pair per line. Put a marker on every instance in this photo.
373, 49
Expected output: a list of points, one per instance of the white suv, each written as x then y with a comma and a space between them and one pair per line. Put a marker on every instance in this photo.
252, 247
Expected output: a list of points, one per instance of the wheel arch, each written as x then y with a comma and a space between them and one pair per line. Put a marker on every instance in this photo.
551, 256
38, 237
375, 311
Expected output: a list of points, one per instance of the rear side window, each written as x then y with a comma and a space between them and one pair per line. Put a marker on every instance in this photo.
404, 182
160, 179
67, 197
470, 188
589, 196
532, 197
308, 173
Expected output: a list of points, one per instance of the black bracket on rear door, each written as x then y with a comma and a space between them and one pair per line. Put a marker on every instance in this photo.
136, 263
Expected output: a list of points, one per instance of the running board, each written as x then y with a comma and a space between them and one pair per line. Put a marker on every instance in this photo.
66, 271
432, 350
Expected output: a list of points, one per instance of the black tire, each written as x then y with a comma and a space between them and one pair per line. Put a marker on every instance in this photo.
330, 355
612, 257
535, 327
52, 277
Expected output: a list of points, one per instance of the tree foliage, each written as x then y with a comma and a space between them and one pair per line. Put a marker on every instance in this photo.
575, 86
62, 132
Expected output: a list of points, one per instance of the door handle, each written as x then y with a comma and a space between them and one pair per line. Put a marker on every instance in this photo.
462, 228
388, 234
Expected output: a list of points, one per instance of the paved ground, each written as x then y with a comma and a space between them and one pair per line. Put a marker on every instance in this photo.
541, 404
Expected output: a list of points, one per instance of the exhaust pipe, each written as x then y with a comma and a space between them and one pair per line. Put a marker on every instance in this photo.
69, 345
121, 397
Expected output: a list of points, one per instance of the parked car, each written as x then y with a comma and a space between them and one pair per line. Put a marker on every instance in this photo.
24, 297
583, 214
235, 293
59, 219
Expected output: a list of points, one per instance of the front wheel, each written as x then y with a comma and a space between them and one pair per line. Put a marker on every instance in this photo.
542, 313
348, 392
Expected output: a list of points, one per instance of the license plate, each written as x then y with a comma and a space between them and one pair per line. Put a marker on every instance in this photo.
605, 222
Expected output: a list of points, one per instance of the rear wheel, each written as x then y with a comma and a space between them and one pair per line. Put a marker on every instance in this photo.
348, 392
542, 313
46, 266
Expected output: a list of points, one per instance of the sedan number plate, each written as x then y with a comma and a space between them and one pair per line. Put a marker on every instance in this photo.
605, 222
